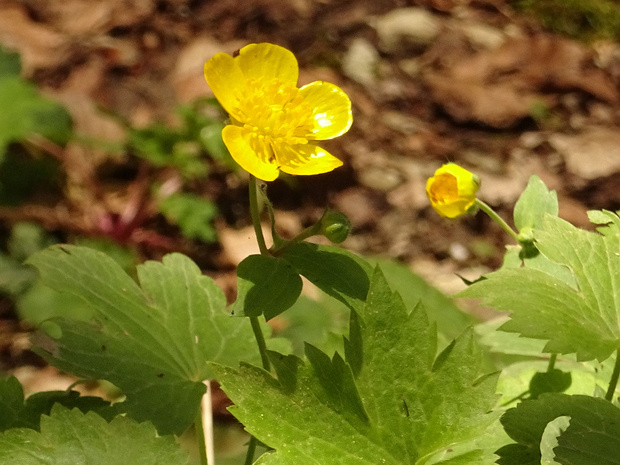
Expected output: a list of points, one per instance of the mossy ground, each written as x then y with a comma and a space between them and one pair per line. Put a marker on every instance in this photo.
585, 20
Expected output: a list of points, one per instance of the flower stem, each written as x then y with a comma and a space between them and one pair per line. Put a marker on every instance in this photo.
498, 219
255, 214
613, 382
249, 456
260, 341
305, 234
552, 361
258, 332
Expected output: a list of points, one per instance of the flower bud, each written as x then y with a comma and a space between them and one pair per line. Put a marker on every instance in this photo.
335, 226
452, 190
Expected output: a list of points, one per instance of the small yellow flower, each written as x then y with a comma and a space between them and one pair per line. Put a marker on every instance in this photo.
452, 190
274, 124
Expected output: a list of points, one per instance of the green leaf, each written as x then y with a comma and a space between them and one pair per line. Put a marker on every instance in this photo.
335, 271
72, 437
535, 201
25, 112
593, 435
265, 286
441, 310
321, 323
583, 318
153, 340
549, 381
192, 213
15, 412
403, 405
10, 63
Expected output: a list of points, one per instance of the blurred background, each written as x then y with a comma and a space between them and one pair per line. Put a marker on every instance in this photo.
110, 137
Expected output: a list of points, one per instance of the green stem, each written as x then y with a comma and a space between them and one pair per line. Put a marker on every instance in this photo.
260, 340
613, 382
305, 234
498, 219
249, 456
258, 332
255, 214
552, 361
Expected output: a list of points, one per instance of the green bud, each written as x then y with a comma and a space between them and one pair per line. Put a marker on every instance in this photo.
335, 226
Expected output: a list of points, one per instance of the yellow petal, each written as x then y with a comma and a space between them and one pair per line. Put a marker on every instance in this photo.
250, 152
264, 62
331, 116
227, 82
305, 159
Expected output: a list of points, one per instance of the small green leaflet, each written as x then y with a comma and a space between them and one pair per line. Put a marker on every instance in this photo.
265, 286
583, 318
152, 340
338, 273
399, 404
535, 201
592, 436
72, 437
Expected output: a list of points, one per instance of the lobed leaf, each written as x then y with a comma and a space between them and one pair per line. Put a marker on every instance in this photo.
391, 401
265, 286
581, 314
592, 436
152, 340
72, 437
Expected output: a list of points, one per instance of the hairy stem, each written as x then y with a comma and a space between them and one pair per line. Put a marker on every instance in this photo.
255, 214
498, 219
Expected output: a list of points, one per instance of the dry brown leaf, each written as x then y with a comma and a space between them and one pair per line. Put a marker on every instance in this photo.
497, 87
592, 154
38, 45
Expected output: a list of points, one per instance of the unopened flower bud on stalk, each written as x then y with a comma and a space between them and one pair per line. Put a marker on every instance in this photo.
452, 190
335, 226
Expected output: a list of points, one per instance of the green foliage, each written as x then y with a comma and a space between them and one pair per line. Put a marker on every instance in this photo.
70, 436
152, 340
338, 273
585, 20
532, 205
321, 322
17, 413
549, 381
265, 286
583, 318
25, 111
390, 401
184, 147
592, 436
441, 310
192, 213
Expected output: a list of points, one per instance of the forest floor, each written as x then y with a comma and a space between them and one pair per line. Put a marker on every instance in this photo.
431, 81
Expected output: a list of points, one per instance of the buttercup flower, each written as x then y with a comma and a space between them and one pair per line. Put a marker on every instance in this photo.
274, 124
452, 190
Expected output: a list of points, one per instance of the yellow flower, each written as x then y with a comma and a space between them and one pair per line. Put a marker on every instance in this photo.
452, 190
275, 124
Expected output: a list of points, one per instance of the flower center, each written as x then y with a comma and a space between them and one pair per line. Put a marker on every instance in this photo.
444, 189
277, 112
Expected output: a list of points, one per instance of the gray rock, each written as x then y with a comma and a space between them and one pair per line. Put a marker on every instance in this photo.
403, 27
